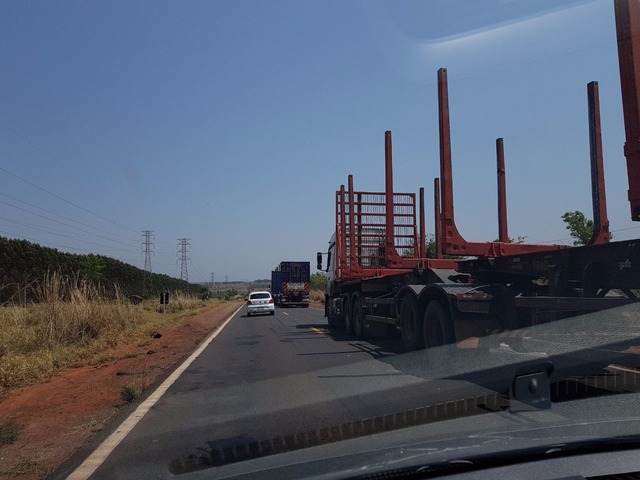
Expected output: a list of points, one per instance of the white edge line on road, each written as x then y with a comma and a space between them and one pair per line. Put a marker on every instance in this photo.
93, 461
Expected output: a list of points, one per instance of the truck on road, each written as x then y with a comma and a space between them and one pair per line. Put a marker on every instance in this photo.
290, 284
380, 276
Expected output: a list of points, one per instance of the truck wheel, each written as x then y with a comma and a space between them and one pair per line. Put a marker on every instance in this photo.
358, 317
332, 318
347, 314
411, 324
437, 325
327, 312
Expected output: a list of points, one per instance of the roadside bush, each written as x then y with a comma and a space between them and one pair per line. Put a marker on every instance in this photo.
316, 296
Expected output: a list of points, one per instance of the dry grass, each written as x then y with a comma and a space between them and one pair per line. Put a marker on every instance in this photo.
129, 393
74, 324
180, 302
316, 296
23, 465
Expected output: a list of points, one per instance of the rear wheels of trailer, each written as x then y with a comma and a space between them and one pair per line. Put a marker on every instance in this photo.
411, 323
358, 316
422, 322
350, 314
437, 326
347, 314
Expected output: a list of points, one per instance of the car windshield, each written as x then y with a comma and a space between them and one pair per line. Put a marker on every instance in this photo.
320, 238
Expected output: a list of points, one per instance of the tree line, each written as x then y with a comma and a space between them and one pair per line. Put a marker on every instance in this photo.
23, 264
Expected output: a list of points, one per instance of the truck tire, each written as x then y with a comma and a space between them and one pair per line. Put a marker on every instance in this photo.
332, 318
411, 329
437, 325
347, 314
358, 317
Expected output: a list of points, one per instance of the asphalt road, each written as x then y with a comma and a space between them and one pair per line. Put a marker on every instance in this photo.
274, 379
265, 378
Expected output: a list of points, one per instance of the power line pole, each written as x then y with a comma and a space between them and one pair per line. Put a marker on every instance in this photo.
147, 250
183, 252
212, 279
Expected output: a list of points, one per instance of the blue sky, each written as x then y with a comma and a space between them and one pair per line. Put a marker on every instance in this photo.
232, 123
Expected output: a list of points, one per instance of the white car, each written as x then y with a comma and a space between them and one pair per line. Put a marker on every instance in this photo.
260, 302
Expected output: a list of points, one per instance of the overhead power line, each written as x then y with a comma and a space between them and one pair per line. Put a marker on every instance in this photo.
69, 219
49, 244
64, 235
61, 223
65, 200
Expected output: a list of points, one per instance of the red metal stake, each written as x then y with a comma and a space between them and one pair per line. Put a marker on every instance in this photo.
628, 29
421, 250
452, 243
353, 260
343, 266
436, 214
600, 220
391, 256
451, 240
503, 231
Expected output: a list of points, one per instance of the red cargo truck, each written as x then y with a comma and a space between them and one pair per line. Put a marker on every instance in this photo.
379, 274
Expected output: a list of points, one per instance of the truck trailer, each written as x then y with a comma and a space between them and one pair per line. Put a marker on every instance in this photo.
290, 284
380, 276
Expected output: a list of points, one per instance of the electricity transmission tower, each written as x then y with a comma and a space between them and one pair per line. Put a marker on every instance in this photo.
147, 250
183, 257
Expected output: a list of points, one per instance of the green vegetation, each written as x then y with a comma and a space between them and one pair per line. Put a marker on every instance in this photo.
519, 240
318, 281
22, 264
317, 286
431, 248
129, 393
580, 227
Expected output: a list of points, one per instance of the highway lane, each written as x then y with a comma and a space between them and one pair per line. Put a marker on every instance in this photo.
269, 377
273, 378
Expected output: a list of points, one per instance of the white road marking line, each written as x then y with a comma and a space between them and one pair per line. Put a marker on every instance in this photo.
97, 458
285, 313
